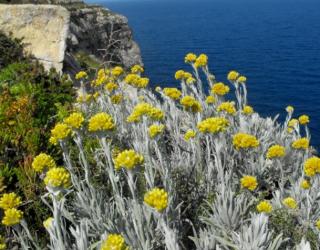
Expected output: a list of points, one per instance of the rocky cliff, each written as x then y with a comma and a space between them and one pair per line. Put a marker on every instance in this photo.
87, 35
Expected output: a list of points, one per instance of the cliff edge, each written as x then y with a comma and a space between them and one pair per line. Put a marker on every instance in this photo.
69, 34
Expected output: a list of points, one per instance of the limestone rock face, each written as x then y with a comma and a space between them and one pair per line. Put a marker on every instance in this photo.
44, 29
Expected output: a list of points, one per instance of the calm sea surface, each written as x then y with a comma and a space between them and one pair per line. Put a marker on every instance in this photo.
275, 43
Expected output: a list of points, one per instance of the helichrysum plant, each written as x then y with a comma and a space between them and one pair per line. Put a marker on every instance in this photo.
186, 168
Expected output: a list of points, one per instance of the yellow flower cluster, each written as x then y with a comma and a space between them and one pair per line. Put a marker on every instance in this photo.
114, 242
128, 159
276, 151
293, 123
9, 200
220, 89
189, 134
247, 110
137, 69
233, 76
75, 120
186, 76
304, 119
289, 109
117, 98
312, 166
136, 81
101, 122
173, 93
12, 216
111, 86
305, 184
213, 125
157, 198
48, 223
81, 75
155, 130
201, 61
59, 132
117, 71
210, 99
264, 207
249, 182
227, 107
242, 79
190, 58
191, 104
43, 162
58, 178
244, 141
302, 143
145, 109
290, 203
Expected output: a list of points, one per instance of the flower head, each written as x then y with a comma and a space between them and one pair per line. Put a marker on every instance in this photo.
111, 86
264, 207
289, 109
276, 151
305, 184
137, 69
290, 203
213, 125
227, 107
12, 216
210, 99
243, 141
173, 93
117, 98
247, 110
190, 58
59, 132
302, 143
42, 162
101, 122
117, 71
201, 61
304, 119
233, 76
249, 182
75, 120
128, 159
9, 200
157, 198
114, 242
48, 223
155, 130
57, 178
242, 79
81, 75
220, 89
191, 104
312, 166
189, 134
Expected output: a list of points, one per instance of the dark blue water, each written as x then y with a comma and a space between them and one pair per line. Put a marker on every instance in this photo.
275, 43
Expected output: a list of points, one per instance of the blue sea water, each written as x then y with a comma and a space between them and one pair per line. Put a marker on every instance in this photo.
275, 43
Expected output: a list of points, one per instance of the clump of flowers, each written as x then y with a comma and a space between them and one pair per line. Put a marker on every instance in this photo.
201, 61
155, 130
247, 110
173, 93
10, 200
12, 216
264, 207
290, 203
245, 141
249, 182
42, 162
57, 177
101, 122
305, 184
302, 143
233, 76
128, 159
81, 75
220, 89
304, 119
114, 242
145, 109
190, 58
137, 69
227, 107
157, 198
75, 120
213, 125
210, 99
276, 151
48, 223
189, 134
312, 166
191, 104
60, 132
